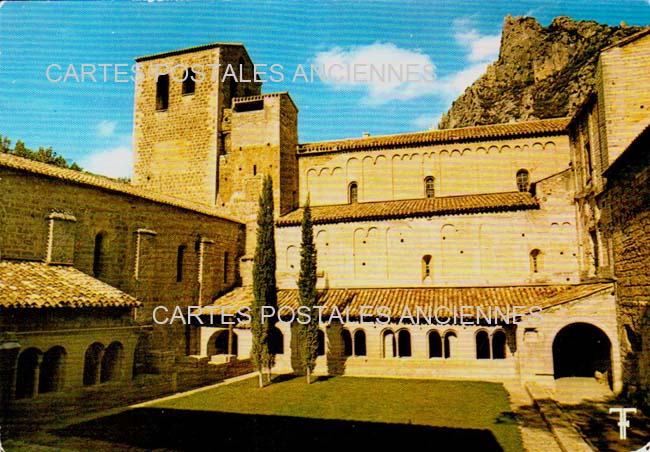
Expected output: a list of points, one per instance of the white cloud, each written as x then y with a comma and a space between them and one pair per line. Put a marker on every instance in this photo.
115, 162
426, 122
480, 48
106, 128
384, 71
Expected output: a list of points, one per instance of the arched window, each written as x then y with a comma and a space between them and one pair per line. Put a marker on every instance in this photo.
222, 343
482, 345
180, 254
359, 343
52, 366
426, 266
92, 361
188, 81
98, 255
435, 344
162, 92
353, 193
219, 343
522, 180
450, 338
429, 189
535, 261
276, 342
112, 362
499, 345
346, 338
26, 373
403, 344
388, 338
320, 350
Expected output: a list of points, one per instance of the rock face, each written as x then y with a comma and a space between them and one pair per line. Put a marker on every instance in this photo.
542, 72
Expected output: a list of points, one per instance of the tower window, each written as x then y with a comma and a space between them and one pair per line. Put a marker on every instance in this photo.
535, 261
429, 190
353, 193
189, 83
162, 92
522, 180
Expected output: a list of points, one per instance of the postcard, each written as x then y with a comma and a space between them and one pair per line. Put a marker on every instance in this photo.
355, 225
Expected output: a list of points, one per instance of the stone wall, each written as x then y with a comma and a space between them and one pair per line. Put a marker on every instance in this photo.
457, 169
487, 248
627, 220
140, 245
623, 78
176, 148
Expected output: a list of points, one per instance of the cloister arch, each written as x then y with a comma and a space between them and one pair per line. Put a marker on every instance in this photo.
580, 350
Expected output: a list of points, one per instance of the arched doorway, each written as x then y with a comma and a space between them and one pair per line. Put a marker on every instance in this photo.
28, 362
111, 368
219, 343
581, 350
52, 366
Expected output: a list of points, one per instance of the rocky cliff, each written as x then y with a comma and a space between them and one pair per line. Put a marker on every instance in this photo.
542, 72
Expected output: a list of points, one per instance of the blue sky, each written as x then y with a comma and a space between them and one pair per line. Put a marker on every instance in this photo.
91, 123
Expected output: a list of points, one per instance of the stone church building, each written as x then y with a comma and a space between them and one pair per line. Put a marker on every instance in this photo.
516, 235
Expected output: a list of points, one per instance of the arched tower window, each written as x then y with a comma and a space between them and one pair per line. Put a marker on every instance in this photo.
522, 180
535, 261
353, 192
429, 190
162, 92
188, 81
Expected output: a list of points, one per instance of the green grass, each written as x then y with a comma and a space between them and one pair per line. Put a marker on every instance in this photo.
460, 404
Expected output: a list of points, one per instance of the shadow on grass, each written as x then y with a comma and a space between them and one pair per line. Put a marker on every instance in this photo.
184, 430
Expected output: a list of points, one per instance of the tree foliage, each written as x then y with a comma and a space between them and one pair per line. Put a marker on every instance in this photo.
264, 284
307, 291
44, 155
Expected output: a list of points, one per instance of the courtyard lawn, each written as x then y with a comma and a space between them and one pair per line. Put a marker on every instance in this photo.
450, 404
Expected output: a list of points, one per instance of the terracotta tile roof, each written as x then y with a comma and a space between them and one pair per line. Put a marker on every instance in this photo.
412, 208
105, 183
395, 299
39, 285
478, 133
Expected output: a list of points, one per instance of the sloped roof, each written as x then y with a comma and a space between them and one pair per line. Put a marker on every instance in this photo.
412, 208
105, 183
555, 126
197, 48
40, 285
396, 299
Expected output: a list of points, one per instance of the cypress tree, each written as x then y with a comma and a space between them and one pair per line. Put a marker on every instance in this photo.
264, 284
307, 292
